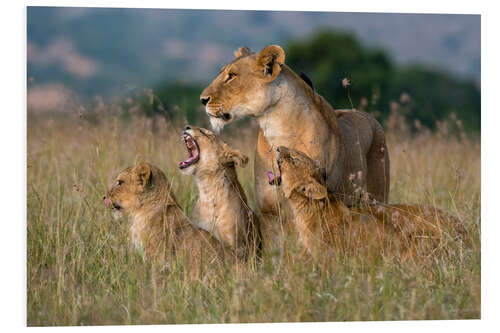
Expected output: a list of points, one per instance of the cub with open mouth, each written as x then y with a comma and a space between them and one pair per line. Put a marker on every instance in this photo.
323, 222
158, 225
222, 206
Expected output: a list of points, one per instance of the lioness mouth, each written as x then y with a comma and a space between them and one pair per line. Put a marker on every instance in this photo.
110, 204
225, 116
273, 179
193, 151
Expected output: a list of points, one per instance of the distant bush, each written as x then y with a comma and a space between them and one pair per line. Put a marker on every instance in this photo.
426, 95
327, 57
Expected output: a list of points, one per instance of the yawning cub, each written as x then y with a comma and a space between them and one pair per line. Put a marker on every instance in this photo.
222, 207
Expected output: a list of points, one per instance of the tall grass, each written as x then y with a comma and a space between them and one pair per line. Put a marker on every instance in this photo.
81, 269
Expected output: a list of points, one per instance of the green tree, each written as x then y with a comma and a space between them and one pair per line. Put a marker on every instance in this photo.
436, 94
327, 57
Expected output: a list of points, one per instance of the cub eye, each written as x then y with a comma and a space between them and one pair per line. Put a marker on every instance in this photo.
119, 182
230, 76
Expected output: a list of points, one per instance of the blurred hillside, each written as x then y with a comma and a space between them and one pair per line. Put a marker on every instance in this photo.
102, 51
428, 63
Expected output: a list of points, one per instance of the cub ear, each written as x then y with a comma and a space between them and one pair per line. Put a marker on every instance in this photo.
270, 60
314, 190
242, 52
143, 172
230, 155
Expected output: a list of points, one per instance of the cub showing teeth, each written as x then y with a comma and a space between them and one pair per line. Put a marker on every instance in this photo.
192, 149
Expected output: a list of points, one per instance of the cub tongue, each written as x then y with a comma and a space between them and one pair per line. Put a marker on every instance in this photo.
107, 202
189, 160
272, 179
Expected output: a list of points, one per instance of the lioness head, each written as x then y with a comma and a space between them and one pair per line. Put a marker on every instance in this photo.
131, 187
207, 153
244, 86
300, 176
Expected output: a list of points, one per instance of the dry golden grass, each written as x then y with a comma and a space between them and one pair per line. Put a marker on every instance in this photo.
82, 271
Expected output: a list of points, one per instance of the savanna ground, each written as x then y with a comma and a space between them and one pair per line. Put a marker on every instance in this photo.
81, 269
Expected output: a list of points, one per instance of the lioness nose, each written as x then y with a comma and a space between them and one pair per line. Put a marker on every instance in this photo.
187, 127
204, 100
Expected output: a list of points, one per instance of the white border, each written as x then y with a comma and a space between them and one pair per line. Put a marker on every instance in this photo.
13, 196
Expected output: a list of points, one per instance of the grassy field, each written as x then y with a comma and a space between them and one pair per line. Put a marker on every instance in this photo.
81, 269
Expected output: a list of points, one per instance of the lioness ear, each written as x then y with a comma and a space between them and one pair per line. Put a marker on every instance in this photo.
270, 60
242, 52
315, 190
230, 155
143, 172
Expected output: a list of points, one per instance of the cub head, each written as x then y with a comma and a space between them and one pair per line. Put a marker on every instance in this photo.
300, 175
207, 153
244, 87
131, 187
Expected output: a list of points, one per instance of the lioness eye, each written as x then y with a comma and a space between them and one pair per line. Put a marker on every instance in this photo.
230, 76
119, 182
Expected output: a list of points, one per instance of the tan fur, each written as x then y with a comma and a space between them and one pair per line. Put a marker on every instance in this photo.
222, 206
396, 229
157, 223
291, 114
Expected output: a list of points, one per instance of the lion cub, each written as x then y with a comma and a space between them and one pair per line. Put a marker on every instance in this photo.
158, 225
322, 222
222, 207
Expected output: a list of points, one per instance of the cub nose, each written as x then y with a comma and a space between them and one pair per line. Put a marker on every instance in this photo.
204, 100
187, 127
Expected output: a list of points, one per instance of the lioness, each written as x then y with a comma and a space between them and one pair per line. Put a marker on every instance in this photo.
290, 113
320, 223
158, 225
222, 207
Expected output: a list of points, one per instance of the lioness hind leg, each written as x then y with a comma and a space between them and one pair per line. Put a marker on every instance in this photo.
378, 165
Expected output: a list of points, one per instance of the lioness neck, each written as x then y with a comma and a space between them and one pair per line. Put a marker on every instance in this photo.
294, 118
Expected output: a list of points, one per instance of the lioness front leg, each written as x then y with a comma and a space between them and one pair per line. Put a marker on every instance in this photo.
269, 198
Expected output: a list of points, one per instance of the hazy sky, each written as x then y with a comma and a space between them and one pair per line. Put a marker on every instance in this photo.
97, 48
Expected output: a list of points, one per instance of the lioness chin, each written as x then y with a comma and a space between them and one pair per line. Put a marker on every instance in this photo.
157, 223
325, 223
222, 206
